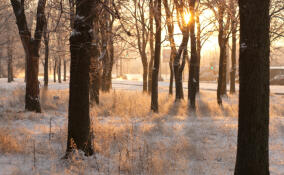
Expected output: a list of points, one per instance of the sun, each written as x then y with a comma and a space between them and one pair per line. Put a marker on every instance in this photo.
187, 17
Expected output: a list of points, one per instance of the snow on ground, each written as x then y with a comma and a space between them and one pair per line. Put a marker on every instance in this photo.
128, 138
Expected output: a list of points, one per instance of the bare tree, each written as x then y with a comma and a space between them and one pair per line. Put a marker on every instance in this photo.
31, 47
155, 74
79, 131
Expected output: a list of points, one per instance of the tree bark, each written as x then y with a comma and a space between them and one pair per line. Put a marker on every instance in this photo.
222, 40
46, 55
155, 74
65, 69
151, 43
198, 49
54, 70
59, 69
31, 47
234, 48
10, 59
79, 129
193, 71
253, 129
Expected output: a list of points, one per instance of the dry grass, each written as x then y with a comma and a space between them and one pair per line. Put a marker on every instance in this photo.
10, 144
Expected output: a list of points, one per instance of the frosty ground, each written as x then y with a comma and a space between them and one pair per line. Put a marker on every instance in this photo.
128, 137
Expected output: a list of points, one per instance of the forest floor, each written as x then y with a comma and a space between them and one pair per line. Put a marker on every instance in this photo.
128, 137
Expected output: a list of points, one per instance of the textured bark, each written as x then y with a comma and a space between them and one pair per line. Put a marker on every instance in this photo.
155, 74
79, 129
31, 47
193, 71
253, 129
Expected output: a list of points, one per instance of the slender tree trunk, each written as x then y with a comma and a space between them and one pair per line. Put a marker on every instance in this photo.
198, 50
170, 26
155, 74
10, 59
59, 69
193, 71
46, 55
234, 49
253, 129
151, 41
64, 69
54, 70
79, 129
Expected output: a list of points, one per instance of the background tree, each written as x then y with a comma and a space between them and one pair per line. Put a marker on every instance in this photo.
31, 47
253, 129
193, 71
155, 74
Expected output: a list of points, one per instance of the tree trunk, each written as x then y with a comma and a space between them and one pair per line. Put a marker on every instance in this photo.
178, 68
64, 69
253, 129
220, 87
32, 84
234, 48
54, 70
59, 69
46, 55
79, 129
198, 50
222, 57
193, 71
10, 59
31, 47
155, 74
151, 41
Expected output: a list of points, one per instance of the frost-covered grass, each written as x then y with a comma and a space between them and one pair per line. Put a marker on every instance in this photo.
128, 137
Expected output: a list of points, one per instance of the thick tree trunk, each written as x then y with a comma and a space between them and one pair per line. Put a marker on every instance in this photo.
32, 84
253, 129
193, 71
155, 74
178, 68
79, 129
